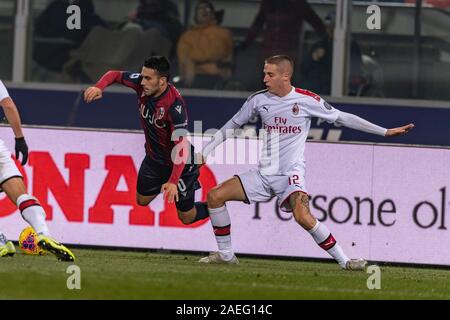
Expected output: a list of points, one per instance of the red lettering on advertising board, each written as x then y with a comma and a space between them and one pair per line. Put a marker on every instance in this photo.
47, 177
70, 195
101, 212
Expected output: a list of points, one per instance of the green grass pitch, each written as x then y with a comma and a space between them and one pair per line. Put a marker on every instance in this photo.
114, 274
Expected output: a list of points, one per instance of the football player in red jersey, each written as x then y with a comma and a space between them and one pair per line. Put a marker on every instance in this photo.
162, 111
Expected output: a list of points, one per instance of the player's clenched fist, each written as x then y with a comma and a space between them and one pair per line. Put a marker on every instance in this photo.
92, 93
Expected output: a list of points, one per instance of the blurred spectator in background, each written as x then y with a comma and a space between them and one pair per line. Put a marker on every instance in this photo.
280, 22
316, 66
152, 29
53, 41
160, 14
205, 52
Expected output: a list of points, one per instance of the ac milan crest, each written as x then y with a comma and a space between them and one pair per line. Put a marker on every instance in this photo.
295, 109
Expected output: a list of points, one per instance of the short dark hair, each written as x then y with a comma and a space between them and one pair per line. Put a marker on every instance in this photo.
159, 63
277, 59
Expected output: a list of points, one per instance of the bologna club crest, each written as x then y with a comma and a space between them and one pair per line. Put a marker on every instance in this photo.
161, 113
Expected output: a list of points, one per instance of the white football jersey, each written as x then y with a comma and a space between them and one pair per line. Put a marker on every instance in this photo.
286, 121
3, 92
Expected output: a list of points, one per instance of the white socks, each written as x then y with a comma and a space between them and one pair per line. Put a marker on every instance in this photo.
326, 241
33, 213
220, 220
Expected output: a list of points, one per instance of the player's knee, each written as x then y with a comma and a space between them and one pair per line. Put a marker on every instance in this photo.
185, 219
187, 215
142, 201
215, 199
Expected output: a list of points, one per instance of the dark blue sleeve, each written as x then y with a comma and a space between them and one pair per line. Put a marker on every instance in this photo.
178, 115
132, 80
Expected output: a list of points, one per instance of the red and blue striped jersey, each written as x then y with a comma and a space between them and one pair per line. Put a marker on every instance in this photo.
160, 117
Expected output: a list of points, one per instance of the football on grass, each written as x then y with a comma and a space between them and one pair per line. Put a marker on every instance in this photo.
28, 242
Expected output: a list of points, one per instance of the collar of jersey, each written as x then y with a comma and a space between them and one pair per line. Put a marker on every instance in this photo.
162, 94
286, 96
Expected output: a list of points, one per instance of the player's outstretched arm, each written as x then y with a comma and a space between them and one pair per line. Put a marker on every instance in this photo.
220, 136
92, 93
399, 131
95, 92
353, 121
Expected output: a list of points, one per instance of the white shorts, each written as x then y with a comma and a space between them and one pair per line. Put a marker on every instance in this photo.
8, 168
262, 188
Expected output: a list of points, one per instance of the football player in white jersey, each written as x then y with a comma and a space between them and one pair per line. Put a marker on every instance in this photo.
286, 117
12, 184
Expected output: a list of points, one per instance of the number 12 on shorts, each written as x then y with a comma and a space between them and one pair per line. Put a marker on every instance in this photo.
294, 179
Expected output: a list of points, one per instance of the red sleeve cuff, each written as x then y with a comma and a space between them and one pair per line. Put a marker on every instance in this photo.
176, 173
180, 162
109, 78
